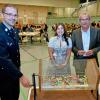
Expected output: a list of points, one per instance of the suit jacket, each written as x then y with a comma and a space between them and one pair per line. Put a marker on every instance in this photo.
77, 43
9, 54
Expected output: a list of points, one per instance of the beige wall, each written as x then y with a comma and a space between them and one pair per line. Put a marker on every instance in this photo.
52, 3
33, 14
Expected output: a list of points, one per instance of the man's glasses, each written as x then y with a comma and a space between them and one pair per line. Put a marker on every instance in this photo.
10, 14
87, 19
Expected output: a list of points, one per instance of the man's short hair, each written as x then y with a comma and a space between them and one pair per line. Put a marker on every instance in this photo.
8, 5
84, 13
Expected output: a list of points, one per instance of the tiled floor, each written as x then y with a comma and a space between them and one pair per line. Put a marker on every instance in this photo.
30, 55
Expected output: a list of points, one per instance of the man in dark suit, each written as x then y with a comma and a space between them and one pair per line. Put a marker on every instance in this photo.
10, 73
86, 40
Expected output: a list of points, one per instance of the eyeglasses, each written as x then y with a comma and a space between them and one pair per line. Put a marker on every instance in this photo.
87, 19
10, 14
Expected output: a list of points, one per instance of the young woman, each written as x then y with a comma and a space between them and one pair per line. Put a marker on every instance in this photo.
59, 48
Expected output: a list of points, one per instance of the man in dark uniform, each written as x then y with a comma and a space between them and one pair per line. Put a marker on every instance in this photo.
10, 74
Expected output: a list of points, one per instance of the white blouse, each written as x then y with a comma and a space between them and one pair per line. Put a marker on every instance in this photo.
60, 48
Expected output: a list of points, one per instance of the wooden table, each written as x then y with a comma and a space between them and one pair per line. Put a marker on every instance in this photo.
68, 95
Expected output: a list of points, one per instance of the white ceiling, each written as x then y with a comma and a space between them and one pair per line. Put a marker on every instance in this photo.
51, 3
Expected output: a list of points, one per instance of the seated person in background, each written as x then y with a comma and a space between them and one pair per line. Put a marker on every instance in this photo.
29, 28
24, 28
44, 32
54, 27
59, 48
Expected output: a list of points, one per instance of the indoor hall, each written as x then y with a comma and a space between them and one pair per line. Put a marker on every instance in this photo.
33, 49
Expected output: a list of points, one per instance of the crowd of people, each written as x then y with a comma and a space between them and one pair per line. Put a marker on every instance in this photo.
73, 26
42, 29
84, 43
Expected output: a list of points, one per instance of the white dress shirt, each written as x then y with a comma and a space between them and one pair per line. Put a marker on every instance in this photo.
60, 47
86, 39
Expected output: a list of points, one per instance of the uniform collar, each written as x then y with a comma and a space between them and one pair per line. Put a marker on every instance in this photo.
6, 29
7, 26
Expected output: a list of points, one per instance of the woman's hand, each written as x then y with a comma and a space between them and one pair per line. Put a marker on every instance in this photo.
59, 66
